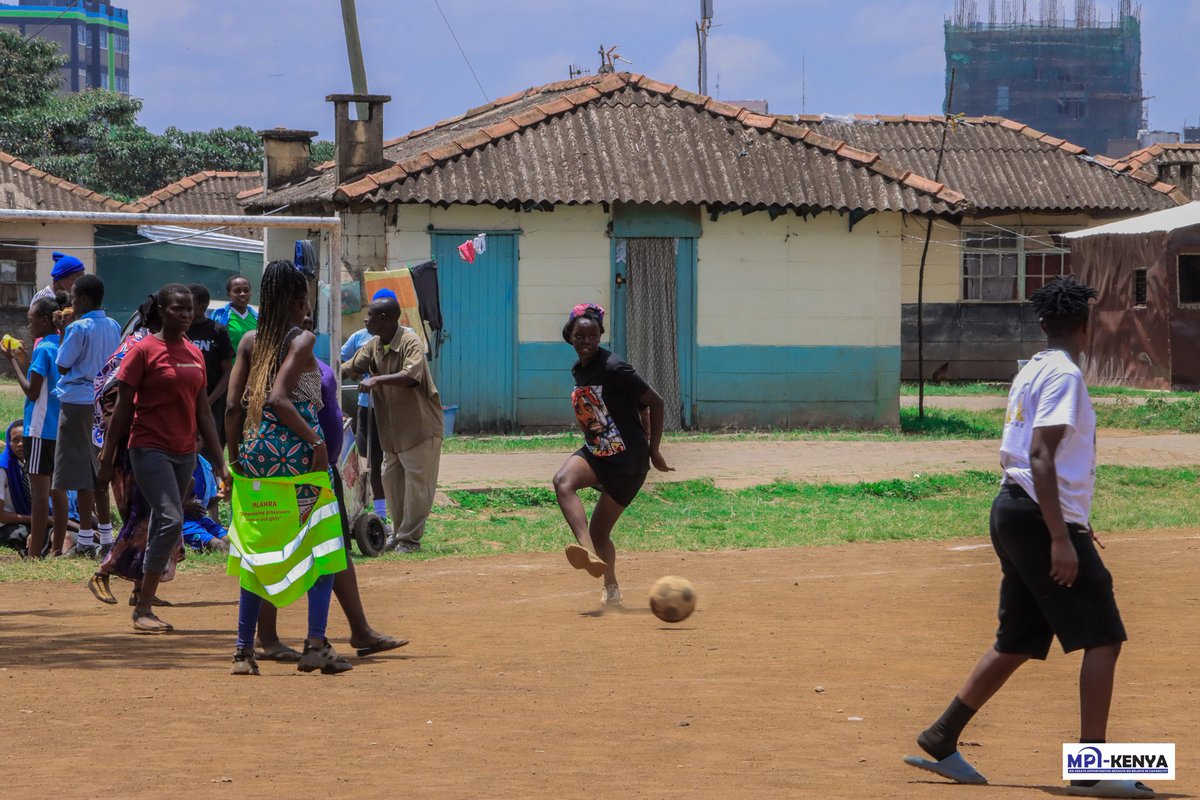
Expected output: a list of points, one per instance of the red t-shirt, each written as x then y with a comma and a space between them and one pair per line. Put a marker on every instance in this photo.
167, 377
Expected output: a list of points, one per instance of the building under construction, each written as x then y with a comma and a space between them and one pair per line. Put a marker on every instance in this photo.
1079, 79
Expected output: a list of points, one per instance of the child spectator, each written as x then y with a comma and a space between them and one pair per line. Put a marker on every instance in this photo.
86, 345
200, 530
41, 422
237, 316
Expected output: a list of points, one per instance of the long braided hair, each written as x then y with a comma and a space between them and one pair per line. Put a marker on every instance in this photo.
282, 283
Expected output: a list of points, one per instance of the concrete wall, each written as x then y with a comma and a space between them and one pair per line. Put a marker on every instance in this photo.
798, 321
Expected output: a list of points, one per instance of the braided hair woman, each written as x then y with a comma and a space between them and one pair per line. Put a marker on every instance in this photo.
272, 430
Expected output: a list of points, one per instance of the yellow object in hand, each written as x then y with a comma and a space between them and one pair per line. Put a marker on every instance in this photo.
12, 344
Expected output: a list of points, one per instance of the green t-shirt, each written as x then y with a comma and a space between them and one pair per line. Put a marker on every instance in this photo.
239, 326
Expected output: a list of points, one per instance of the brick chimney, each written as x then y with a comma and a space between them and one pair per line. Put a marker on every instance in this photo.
285, 155
358, 142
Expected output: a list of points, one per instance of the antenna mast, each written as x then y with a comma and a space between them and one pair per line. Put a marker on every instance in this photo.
702, 28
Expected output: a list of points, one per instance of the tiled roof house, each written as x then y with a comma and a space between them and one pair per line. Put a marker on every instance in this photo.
750, 265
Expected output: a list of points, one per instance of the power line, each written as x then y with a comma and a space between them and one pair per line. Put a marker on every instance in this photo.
460, 49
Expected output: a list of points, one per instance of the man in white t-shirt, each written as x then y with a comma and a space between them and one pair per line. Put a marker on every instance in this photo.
1054, 582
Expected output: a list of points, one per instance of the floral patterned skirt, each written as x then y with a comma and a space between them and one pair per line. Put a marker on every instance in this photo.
275, 450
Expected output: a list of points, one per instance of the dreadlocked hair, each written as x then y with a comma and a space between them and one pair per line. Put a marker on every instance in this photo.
282, 283
1062, 304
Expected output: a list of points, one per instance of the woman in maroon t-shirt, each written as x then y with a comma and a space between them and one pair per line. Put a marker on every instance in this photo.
161, 403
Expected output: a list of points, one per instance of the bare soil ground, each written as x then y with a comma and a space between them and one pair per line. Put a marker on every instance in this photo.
747, 463
804, 673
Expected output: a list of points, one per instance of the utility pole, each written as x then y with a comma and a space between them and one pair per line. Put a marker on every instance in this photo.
702, 28
358, 72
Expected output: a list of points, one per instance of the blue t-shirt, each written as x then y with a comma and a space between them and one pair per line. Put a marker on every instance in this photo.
86, 346
41, 415
352, 346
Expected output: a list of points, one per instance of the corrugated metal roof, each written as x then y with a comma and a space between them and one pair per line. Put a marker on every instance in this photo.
1154, 155
1001, 165
1170, 219
624, 137
27, 188
207, 192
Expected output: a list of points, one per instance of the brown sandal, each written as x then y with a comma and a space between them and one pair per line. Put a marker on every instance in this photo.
156, 626
98, 584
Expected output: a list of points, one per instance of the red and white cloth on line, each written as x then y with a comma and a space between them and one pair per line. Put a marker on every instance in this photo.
467, 251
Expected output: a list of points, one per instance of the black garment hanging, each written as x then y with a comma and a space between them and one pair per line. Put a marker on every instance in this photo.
425, 282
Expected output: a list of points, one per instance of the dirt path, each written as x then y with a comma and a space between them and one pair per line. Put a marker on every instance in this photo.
509, 690
745, 463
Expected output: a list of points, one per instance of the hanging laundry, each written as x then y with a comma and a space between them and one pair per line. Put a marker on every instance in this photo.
425, 280
467, 251
400, 281
480, 243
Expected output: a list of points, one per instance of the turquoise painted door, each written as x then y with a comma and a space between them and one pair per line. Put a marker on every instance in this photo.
477, 367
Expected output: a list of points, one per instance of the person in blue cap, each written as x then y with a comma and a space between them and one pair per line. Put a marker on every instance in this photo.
66, 271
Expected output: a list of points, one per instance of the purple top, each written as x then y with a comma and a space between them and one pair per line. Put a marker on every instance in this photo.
329, 418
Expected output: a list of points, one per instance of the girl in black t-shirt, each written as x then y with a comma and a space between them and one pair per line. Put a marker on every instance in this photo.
614, 407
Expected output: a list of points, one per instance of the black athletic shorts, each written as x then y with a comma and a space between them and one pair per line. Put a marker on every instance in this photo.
1034, 608
622, 487
41, 456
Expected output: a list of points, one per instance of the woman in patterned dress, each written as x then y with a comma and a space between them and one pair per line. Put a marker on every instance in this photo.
273, 431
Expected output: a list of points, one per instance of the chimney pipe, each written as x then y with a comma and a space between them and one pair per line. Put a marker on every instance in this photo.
285, 155
358, 142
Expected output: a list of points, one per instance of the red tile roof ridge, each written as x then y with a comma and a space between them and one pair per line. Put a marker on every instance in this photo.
60, 183
242, 195
159, 196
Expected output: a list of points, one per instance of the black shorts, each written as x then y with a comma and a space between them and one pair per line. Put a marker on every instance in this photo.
41, 455
1034, 608
622, 487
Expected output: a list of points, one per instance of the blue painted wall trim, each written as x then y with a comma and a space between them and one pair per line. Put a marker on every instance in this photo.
742, 386
650, 220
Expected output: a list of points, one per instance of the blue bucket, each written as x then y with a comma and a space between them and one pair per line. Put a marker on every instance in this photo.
448, 415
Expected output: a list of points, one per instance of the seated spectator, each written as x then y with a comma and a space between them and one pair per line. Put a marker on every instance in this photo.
200, 530
16, 504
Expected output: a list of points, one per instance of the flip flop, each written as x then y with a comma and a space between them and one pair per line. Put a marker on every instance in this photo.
142, 627
953, 766
380, 645
579, 558
277, 652
1112, 788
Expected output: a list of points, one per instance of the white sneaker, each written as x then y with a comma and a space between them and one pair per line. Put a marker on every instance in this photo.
610, 595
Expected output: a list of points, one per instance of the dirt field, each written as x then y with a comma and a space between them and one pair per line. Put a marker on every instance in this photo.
509, 689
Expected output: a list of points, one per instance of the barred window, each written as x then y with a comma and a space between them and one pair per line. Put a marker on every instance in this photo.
1010, 265
18, 275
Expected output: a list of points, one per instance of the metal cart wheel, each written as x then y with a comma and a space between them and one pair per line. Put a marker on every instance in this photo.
370, 533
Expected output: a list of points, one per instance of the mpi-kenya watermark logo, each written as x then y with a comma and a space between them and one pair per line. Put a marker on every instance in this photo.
1107, 761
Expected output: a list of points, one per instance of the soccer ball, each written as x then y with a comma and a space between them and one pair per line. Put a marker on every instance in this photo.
672, 599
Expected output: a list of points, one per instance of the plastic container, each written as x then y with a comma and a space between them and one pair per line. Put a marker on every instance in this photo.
449, 413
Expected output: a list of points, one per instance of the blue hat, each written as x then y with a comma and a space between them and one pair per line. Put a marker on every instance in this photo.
64, 265
384, 294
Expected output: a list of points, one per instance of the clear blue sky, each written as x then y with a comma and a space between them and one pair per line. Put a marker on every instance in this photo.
201, 64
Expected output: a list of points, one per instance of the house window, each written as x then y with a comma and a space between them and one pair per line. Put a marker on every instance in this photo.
82, 75
81, 35
1010, 265
18, 276
1189, 279
1139, 288
123, 84
1001, 99
121, 42
103, 40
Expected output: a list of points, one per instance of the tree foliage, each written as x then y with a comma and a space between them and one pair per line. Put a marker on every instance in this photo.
92, 138
29, 71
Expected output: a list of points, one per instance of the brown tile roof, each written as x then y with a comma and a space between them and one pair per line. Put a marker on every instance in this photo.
27, 188
1003, 165
207, 192
1148, 158
623, 137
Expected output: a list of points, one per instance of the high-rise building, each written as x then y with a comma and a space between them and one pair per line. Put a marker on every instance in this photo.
93, 34
1078, 79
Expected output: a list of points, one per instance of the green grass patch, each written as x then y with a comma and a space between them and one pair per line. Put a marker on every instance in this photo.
696, 515
12, 403
1156, 414
1000, 389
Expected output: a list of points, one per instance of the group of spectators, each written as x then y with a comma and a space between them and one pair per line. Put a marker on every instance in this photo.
144, 418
